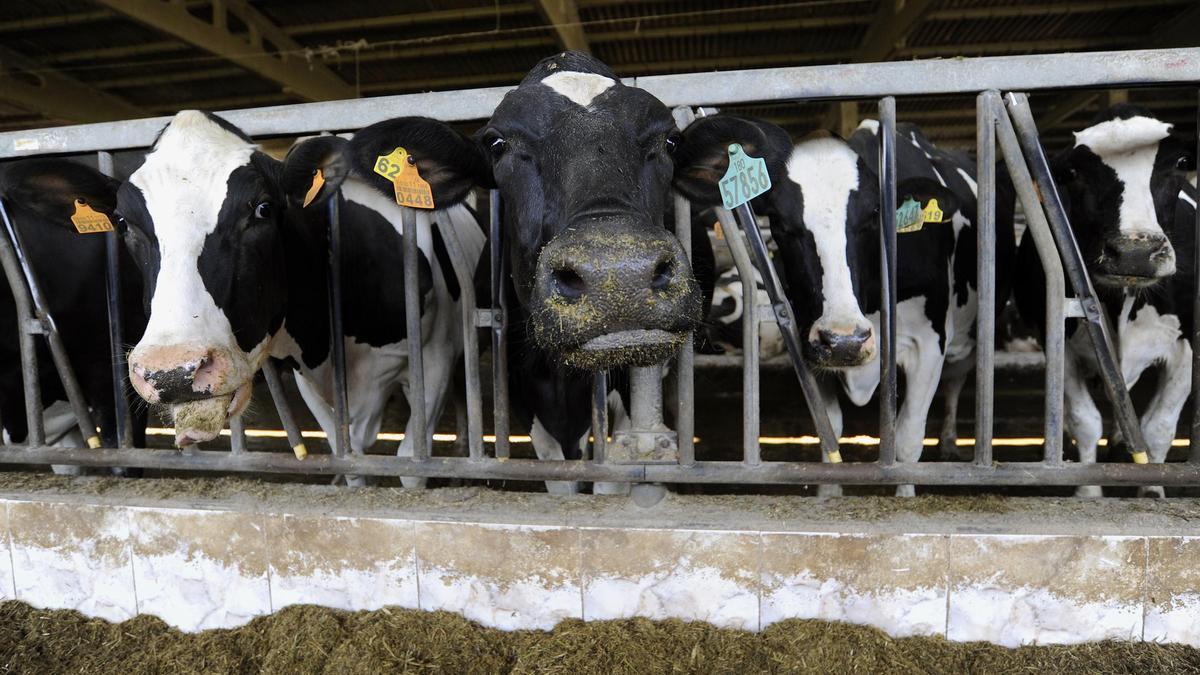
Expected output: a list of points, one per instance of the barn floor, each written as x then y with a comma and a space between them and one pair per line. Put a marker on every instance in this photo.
308, 639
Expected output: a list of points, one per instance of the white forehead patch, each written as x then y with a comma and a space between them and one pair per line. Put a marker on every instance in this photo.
581, 88
1122, 135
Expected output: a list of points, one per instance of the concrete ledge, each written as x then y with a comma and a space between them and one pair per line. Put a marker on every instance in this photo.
210, 554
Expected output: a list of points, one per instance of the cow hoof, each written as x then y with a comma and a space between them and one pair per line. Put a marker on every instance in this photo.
1153, 491
829, 490
906, 491
1089, 492
413, 483
562, 488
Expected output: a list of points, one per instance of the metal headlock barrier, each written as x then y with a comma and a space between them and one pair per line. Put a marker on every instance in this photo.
648, 452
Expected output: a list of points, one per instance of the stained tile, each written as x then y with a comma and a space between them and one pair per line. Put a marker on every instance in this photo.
1173, 590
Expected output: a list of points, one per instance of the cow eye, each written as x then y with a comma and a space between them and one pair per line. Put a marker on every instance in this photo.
264, 211
1184, 163
672, 143
497, 145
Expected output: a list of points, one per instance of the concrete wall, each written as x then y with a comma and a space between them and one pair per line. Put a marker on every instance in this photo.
204, 555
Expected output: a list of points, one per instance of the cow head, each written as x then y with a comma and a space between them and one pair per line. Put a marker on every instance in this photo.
1119, 184
203, 218
584, 165
824, 209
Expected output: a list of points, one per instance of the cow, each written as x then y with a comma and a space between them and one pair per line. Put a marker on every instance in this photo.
824, 212
71, 270
1125, 188
584, 166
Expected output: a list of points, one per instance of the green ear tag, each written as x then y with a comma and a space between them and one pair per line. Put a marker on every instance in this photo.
745, 179
909, 217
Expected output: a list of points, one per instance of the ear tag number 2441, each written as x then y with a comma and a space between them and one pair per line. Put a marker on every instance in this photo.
745, 179
411, 189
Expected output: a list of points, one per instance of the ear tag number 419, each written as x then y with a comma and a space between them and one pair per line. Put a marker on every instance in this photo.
411, 189
745, 179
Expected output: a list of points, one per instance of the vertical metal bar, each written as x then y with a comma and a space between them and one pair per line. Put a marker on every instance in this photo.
116, 326
751, 454
599, 416
500, 411
685, 380
1054, 344
25, 331
412, 310
985, 274
887, 280
279, 396
237, 435
1194, 449
464, 271
1094, 318
337, 341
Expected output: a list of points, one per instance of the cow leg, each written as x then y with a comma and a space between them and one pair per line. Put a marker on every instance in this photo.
953, 381
833, 409
1162, 415
326, 419
1083, 420
548, 449
922, 365
619, 419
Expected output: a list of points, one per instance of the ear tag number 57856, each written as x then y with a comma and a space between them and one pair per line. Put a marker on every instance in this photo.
745, 179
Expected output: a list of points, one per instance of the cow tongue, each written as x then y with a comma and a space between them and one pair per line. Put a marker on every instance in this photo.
199, 421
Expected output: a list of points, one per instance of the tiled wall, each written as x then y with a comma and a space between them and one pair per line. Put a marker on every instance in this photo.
200, 569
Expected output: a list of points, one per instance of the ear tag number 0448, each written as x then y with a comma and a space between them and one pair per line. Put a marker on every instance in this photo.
745, 179
411, 190
87, 220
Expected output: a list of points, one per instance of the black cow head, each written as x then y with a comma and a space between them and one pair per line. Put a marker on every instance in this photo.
824, 209
1119, 184
584, 165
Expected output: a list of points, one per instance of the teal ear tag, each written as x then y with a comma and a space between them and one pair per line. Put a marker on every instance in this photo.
745, 179
909, 217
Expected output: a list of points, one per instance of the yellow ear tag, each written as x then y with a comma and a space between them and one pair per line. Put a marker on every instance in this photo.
412, 190
718, 230
318, 182
932, 213
390, 165
88, 220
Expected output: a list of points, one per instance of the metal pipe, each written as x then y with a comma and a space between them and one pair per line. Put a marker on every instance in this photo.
599, 416
985, 274
499, 267
1094, 317
27, 325
685, 376
237, 435
412, 311
116, 326
1194, 449
887, 280
1054, 342
751, 453
337, 340
279, 396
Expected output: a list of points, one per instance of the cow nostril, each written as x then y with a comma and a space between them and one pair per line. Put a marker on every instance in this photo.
1112, 251
569, 284
663, 272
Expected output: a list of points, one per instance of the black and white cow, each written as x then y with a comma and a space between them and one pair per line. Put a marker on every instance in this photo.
70, 268
1125, 187
824, 217
584, 165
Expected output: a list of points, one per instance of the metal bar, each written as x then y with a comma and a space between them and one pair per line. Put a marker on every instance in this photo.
1194, 449
685, 376
887, 280
599, 416
985, 274
25, 321
1095, 319
899, 78
751, 453
337, 341
116, 326
499, 267
412, 311
940, 473
279, 396
464, 271
237, 435
1054, 342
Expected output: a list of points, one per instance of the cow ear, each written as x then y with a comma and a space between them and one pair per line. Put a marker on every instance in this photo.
702, 155
51, 187
314, 169
448, 160
925, 189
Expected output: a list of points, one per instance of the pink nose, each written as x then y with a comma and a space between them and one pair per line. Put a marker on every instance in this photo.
177, 373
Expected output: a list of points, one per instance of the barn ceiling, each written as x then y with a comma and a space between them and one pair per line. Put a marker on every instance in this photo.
70, 61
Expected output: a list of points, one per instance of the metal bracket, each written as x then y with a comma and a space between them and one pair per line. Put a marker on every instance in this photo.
1073, 308
34, 326
486, 318
643, 447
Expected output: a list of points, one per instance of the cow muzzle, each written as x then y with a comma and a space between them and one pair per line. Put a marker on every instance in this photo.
1132, 260
201, 386
841, 347
609, 294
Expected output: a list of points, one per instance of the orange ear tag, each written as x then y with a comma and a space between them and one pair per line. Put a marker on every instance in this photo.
318, 182
88, 220
718, 230
412, 190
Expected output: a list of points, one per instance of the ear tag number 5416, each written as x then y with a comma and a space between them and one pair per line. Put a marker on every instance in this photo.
745, 179
411, 190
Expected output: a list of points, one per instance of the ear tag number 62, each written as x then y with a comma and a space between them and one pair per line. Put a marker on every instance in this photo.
745, 179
